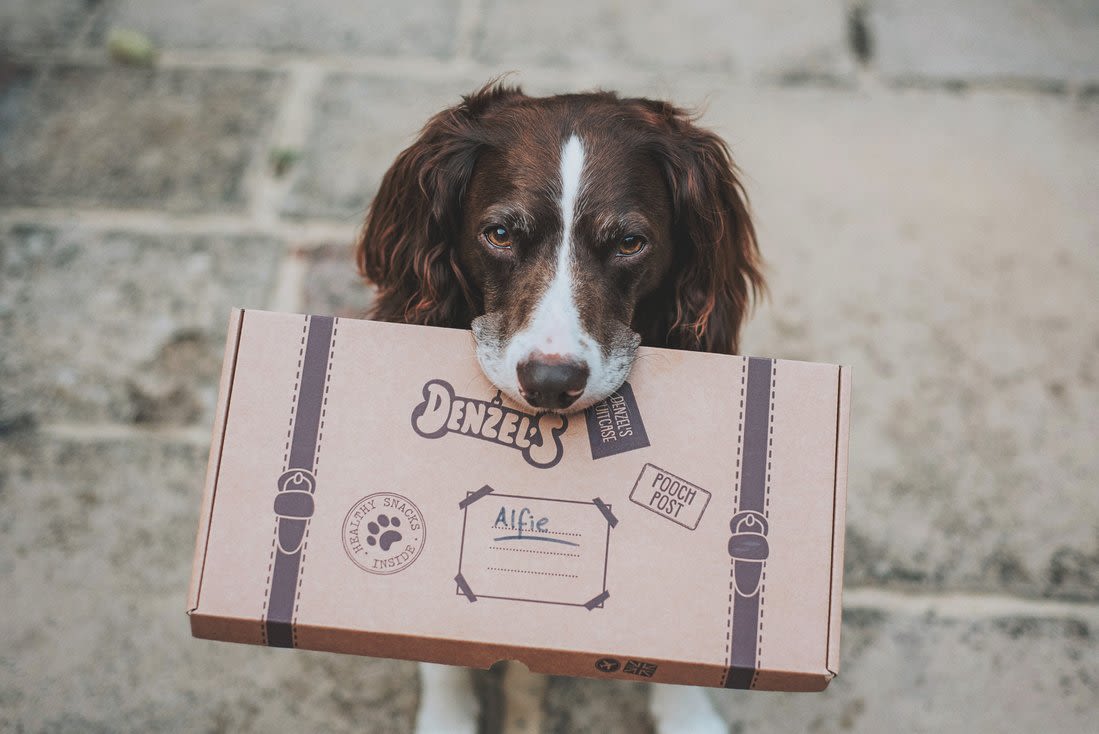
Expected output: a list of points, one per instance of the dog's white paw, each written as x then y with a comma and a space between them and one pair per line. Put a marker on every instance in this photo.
684, 710
448, 703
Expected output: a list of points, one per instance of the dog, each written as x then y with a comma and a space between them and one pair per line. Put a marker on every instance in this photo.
565, 231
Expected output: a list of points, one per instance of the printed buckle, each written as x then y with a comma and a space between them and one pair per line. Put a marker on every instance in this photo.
293, 508
748, 548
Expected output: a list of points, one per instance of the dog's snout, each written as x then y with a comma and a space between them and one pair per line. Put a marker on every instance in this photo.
551, 381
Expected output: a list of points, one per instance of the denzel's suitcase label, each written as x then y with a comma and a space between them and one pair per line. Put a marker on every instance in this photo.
615, 425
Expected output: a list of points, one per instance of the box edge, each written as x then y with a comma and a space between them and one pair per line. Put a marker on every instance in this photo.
213, 464
839, 519
481, 655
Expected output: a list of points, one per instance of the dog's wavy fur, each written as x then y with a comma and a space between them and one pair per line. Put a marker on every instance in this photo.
407, 249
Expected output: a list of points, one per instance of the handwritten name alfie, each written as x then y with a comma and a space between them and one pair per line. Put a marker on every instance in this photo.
523, 524
523, 520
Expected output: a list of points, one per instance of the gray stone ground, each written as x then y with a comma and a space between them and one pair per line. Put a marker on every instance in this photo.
925, 179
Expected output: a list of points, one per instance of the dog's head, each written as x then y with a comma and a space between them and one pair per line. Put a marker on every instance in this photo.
565, 231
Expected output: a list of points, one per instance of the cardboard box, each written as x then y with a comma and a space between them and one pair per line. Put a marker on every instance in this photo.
368, 492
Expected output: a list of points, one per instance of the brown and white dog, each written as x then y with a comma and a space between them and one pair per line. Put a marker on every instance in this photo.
565, 231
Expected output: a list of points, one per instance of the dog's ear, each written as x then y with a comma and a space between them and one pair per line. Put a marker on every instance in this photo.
717, 270
406, 245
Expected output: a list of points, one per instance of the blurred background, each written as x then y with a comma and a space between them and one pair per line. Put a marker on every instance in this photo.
925, 179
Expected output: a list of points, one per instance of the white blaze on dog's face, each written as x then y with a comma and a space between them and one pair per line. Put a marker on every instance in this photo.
560, 361
560, 338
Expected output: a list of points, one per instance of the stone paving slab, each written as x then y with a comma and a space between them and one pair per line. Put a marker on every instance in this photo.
750, 38
15, 86
168, 139
920, 673
1046, 40
588, 706
96, 542
944, 246
332, 283
34, 25
376, 27
120, 326
360, 124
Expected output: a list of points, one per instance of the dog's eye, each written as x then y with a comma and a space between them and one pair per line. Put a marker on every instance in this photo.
497, 237
631, 245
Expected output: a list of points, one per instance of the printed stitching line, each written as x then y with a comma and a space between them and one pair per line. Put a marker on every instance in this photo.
267, 596
527, 550
736, 504
285, 467
536, 573
766, 513
316, 471
294, 395
297, 596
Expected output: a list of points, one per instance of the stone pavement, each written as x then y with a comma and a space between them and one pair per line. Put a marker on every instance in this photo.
924, 176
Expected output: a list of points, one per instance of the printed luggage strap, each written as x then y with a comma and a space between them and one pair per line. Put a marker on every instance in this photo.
297, 485
748, 546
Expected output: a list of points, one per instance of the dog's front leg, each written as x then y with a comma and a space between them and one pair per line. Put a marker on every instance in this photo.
523, 692
448, 703
684, 710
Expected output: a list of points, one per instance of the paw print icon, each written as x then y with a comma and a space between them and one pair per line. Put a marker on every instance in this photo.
379, 535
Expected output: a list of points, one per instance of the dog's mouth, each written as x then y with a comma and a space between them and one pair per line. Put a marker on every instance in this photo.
555, 384
582, 401
579, 405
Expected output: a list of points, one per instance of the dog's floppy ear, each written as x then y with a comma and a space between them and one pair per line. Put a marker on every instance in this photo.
406, 244
717, 271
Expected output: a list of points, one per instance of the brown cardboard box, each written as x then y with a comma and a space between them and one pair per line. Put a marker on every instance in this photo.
369, 493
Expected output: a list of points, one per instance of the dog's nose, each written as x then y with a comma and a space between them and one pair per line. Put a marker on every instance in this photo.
551, 381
